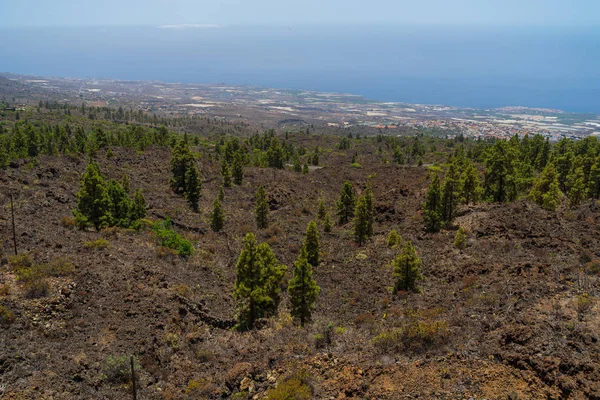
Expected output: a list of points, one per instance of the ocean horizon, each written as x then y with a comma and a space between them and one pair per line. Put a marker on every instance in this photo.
475, 67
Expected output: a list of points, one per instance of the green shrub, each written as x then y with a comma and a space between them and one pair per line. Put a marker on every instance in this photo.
292, 388
460, 239
167, 237
117, 369
356, 165
97, 244
6, 316
394, 239
59, 267
21, 260
415, 335
68, 222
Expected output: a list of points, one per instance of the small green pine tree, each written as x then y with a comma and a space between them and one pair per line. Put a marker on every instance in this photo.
321, 211
93, 200
193, 186
546, 191
217, 218
138, 207
302, 289
432, 209
226, 174
237, 169
327, 224
311, 244
181, 161
221, 195
394, 239
407, 268
346, 204
305, 168
460, 239
361, 215
120, 209
125, 183
262, 208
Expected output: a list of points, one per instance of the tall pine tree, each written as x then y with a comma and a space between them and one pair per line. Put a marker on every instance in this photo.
93, 200
346, 204
193, 186
262, 208
302, 289
432, 209
311, 244
257, 286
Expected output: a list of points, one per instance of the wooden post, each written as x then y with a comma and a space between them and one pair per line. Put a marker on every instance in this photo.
133, 379
12, 212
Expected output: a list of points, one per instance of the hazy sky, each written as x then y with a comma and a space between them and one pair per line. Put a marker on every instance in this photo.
290, 12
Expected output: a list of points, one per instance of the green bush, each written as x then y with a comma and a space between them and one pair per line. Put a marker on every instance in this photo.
21, 260
96, 244
394, 239
293, 388
167, 237
6, 316
415, 335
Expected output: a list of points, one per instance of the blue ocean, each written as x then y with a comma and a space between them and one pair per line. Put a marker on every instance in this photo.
477, 67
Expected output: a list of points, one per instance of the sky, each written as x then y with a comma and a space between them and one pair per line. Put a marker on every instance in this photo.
43, 13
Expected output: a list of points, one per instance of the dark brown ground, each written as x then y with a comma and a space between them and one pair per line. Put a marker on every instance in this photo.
509, 299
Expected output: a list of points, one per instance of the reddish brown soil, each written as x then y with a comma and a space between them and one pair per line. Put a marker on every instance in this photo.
508, 299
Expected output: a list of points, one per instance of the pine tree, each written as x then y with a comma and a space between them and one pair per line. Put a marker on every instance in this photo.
262, 208
432, 209
93, 201
311, 244
346, 203
33, 142
226, 174
407, 268
257, 286
120, 209
460, 239
305, 168
302, 289
450, 193
275, 154
221, 195
193, 186
321, 211
546, 191
594, 180
217, 218
181, 161
577, 185
138, 207
327, 224
297, 166
125, 183
498, 172
398, 155
238, 169
394, 239
361, 215
469, 185
370, 203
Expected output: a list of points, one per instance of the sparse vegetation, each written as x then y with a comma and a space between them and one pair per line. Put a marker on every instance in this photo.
167, 237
